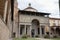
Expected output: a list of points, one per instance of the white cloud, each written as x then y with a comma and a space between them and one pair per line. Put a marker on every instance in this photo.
50, 6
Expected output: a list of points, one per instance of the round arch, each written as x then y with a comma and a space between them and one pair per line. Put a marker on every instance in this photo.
35, 22
35, 27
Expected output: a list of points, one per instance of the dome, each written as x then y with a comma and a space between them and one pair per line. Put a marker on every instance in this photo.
30, 8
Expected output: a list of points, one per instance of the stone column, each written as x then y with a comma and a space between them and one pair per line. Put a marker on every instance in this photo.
35, 29
19, 31
49, 26
30, 30
40, 32
25, 29
44, 30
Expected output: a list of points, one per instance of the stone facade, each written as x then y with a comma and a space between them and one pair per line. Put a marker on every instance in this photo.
54, 21
4, 30
5, 9
15, 29
8, 27
26, 20
26, 23
55, 26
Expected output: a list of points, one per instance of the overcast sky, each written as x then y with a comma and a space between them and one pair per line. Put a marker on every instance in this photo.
48, 6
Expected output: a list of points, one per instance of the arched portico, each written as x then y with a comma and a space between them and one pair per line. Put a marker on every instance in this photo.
35, 27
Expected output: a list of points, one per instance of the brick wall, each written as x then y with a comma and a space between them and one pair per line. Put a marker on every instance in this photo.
2, 5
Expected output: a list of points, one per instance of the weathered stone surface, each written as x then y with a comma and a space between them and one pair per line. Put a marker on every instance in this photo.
4, 31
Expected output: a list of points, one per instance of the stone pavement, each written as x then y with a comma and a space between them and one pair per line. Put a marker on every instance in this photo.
42, 39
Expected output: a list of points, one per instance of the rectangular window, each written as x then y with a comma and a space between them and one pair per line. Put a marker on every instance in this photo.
38, 30
54, 24
42, 30
21, 29
27, 28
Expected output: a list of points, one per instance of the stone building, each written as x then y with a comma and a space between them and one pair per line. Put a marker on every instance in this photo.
11, 24
4, 30
6, 24
31, 22
55, 26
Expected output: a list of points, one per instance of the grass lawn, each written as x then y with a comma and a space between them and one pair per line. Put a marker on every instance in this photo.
24, 39
56, 39
34, 39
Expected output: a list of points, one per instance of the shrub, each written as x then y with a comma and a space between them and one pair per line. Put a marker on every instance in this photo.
37, 36
24, 36
46, 36
55, 36
28, 35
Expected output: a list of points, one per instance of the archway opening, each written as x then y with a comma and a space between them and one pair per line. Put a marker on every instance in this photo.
35, 28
